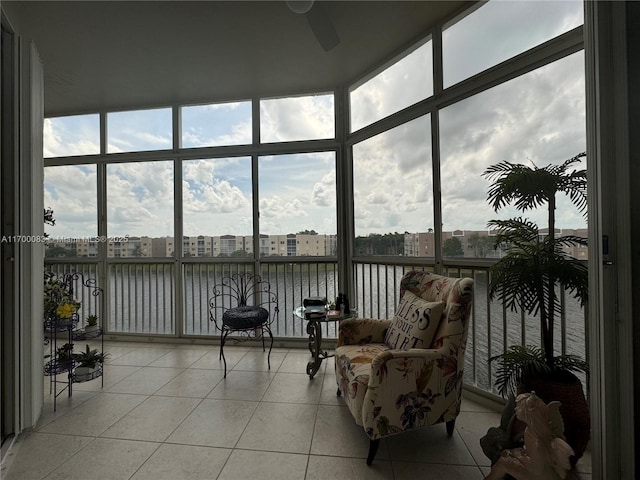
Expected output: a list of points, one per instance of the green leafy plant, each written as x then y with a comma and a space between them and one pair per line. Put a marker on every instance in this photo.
90, 358
58, 299
536, 262
521, 361
92, 320
64, 353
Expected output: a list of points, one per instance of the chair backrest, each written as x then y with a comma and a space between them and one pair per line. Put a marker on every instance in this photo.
241, 290
457, 295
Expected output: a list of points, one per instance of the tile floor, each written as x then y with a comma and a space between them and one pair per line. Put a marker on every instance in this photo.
165, 412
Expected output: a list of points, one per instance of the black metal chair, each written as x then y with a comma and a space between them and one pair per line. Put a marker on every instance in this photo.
244, 306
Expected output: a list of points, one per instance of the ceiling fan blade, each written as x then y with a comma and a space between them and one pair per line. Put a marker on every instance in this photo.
322, 28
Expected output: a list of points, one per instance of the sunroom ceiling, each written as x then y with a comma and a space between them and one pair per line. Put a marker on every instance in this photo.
123, 54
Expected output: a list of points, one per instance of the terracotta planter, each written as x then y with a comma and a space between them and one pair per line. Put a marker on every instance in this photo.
565, 388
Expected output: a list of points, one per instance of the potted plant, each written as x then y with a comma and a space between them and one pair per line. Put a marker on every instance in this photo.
60, 307
64, 356
526, 278
89, 364
92, 324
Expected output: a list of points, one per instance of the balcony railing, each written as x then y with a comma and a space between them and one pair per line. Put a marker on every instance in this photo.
141, 298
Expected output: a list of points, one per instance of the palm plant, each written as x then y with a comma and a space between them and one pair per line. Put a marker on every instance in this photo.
535, 263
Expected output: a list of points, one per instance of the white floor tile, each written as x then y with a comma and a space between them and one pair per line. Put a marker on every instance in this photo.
145, 381
192, 382
337, 434
429, 445
211, 360
329, 396
166, 412
95, 415
472, 426
256, 361
323, 468
295, 362
214, 423
64, 405
39, 454
241, 385
183, 462
280, 427
421, 471
153, 420
140, 356
103, 459
244, 464
293, 388
180, 358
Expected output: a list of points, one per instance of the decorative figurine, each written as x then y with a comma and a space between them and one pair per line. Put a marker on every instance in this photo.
504, 436
545, 455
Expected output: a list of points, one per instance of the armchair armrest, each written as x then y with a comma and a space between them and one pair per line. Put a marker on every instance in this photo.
358, 331
394, 365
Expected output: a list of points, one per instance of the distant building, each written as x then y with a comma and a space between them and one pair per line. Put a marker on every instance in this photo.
419, 244
471, 243
313, 245
480, 243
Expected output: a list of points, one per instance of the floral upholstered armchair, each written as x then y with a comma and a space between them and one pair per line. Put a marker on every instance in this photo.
406, 373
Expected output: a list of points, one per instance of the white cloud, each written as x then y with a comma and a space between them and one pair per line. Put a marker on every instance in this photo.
479, 41
140, 199
323, 193
275, 207
219, 197
198, 171
71, 192
398, 86
297, 118
393, 180
539, 117
62, 137
240, 133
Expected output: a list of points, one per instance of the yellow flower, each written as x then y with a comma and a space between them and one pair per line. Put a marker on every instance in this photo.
66, 310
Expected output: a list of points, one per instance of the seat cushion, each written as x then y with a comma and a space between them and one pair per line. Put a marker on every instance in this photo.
414, 324
241, 318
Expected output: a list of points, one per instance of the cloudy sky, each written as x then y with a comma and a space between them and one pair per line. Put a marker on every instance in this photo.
538, 119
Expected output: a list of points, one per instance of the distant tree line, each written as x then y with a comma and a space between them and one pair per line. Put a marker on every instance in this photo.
377, 244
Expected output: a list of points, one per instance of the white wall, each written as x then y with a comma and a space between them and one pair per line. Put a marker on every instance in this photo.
30, 254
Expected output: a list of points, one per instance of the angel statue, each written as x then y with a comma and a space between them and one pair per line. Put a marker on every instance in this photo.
545, 455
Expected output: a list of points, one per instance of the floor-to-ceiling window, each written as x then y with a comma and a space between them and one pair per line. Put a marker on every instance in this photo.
504, 81
256, 181
166, 200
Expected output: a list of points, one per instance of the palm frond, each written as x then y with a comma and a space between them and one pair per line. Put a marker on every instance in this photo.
514, 230
526, 360
516, 183
518, 361
571, 240
532, 265
531, 187
574, 183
